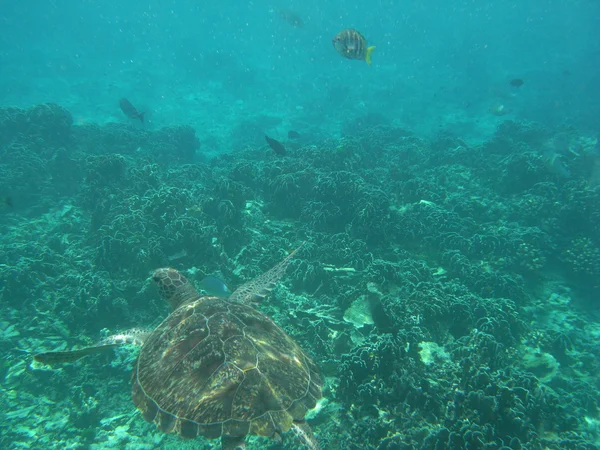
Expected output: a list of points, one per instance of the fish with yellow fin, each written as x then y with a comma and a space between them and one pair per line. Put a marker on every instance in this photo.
352, 45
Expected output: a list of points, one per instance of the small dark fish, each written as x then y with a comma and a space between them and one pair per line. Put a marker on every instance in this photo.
130, 111
8, 202
275, 145
292, 18
516, 82
215, 287
352, 45
293, 134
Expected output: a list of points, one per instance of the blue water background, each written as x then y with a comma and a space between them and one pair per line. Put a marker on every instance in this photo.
438, 64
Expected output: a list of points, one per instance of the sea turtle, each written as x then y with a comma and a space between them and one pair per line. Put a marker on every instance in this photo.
218, 367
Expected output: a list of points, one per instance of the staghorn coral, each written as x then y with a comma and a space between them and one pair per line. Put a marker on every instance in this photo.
583, 257
42, 127
170, 145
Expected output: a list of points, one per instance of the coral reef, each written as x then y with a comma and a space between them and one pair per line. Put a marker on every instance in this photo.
443, 289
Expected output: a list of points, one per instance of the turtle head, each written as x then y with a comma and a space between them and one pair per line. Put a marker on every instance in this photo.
173, 287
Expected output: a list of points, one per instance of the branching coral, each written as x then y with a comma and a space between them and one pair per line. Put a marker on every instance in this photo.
414, 289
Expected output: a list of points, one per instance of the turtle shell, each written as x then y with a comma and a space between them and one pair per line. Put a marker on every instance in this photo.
215, 368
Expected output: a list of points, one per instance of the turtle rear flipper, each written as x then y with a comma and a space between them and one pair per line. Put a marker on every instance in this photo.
51, 358
233, 443
304, 433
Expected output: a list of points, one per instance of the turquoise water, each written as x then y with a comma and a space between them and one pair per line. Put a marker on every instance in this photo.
437, 64
446, 195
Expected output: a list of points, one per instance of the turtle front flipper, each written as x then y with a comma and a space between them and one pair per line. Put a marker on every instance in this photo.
52, 358
256, 290
131, 337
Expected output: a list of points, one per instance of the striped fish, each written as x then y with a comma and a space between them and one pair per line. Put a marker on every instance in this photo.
352, 45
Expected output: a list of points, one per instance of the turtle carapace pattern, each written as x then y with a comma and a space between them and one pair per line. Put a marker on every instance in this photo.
219, 367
